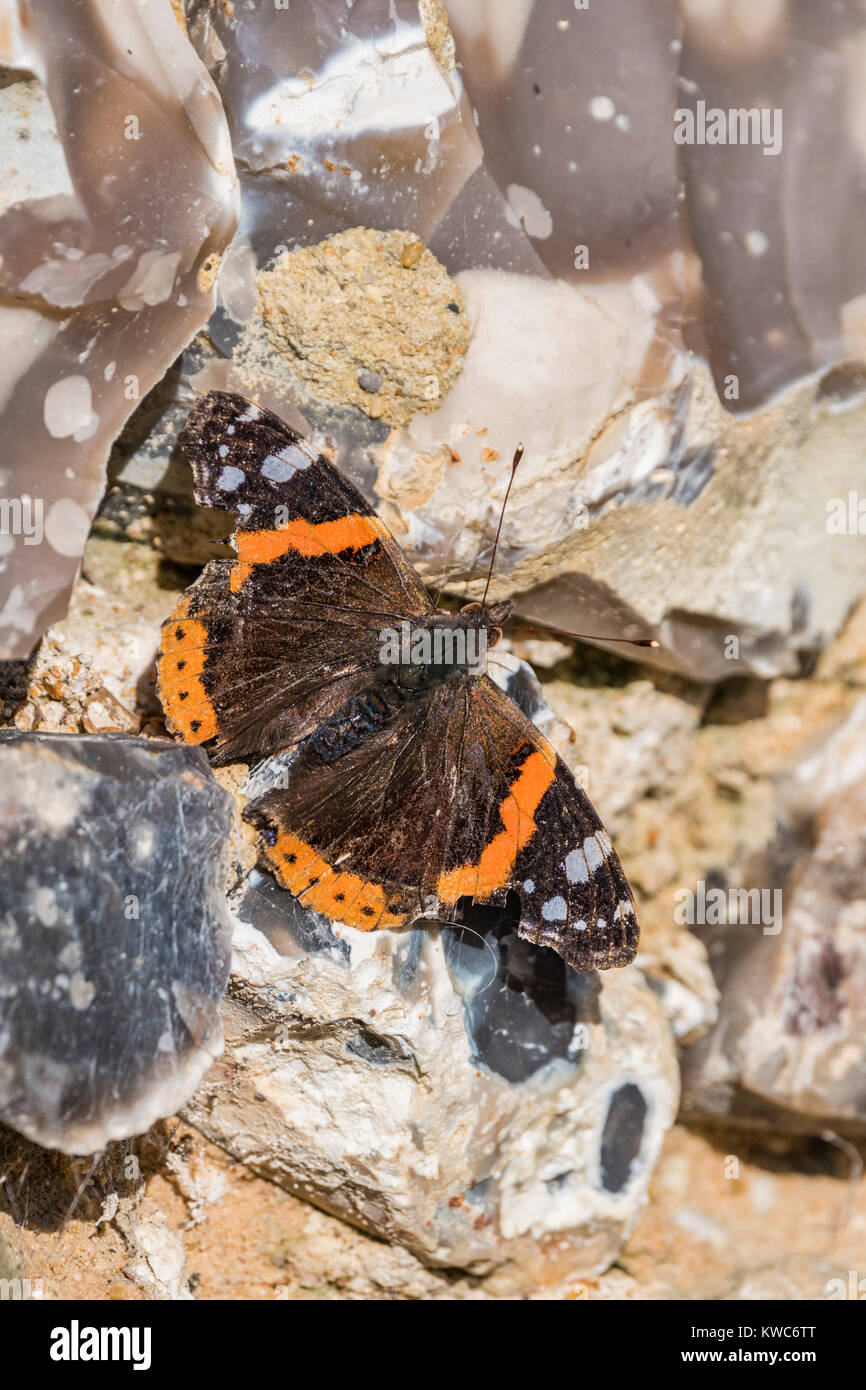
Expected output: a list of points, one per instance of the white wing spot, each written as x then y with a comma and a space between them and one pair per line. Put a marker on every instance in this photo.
284, 465
592, 850
604, 840
581, 925
230, 430
554, 910
252, 412
601, 924
229, 479
223, 450
575, 867
529, 886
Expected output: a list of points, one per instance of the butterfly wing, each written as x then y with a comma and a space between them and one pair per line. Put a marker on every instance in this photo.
459, 797
552, 849
263, 648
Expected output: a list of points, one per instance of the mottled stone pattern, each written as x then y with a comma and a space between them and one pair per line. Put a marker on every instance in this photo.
788, 1048
114, 948
128, 188
366, 318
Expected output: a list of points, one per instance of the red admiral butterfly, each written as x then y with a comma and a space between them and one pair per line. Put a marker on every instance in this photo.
414, 781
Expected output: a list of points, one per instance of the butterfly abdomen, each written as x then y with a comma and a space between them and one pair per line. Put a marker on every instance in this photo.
350, 726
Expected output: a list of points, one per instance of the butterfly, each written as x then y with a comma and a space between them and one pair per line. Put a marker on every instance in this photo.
413, 782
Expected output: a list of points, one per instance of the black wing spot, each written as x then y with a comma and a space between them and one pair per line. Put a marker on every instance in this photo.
195, 725
180, 665
369, 911
183, 694
179, 633
290, 858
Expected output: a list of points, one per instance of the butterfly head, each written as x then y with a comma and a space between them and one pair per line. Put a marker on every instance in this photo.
421, 653
487, 617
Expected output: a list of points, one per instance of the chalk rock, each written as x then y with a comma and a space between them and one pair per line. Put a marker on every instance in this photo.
462, 1095
115, 937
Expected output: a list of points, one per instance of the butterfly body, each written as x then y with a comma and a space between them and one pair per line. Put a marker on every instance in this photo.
414, 782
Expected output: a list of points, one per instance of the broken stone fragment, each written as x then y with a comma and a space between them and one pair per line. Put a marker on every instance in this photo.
127, 190
788, 1050
460, 1093
105, 714
114, 948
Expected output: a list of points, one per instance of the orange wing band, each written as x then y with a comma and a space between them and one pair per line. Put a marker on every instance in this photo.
304, 538
494, 868
341, 897
181, 689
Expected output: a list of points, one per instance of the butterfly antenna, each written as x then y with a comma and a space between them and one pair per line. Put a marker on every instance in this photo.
587, 636
518, 455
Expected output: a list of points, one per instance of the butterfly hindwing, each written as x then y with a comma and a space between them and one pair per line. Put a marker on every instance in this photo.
544, 842
460, 797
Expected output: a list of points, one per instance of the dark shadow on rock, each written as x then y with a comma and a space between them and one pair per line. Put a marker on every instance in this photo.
42, 1189
522, 1002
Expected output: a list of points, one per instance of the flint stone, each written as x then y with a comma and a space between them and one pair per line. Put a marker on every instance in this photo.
109, 242
788, 1048
114, 933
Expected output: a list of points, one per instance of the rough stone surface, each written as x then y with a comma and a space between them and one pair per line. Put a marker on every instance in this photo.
366, 305
601, 261
730, 1217
506, 1126
114, 948
788, 1047
130, 190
